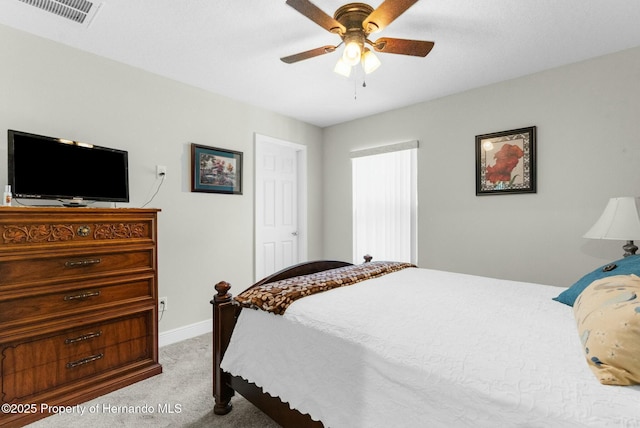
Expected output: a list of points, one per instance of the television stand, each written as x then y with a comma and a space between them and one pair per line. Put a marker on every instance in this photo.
77, 203
78, 306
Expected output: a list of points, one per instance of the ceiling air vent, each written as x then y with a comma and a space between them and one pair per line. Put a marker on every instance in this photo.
75, 10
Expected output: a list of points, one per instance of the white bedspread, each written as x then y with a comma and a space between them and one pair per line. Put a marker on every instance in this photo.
425, 348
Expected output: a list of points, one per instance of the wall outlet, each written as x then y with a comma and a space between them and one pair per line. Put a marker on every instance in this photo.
161, 170
163, 304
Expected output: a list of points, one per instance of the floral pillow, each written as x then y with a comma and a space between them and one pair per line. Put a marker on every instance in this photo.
608, 317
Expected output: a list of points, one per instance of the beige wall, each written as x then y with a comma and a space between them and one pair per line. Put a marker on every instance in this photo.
50, 89
588, 151
588, 122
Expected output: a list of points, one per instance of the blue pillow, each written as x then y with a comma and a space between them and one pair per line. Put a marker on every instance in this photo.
625, 266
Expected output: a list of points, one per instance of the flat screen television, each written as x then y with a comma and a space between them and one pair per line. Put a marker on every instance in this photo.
75, 173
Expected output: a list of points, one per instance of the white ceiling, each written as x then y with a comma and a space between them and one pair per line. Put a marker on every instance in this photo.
233, 47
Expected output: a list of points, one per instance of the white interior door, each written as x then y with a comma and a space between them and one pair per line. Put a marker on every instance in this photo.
278, 231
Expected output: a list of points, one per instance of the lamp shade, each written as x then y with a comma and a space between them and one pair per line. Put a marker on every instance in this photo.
342, 68
352, 53
620, 221
370, 62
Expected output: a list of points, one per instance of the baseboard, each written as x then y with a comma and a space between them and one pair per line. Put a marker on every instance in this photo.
183, 333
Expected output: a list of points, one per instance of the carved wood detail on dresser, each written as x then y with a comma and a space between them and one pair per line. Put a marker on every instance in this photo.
78, 306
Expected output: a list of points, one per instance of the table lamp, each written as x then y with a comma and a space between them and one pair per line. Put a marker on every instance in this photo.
619, 221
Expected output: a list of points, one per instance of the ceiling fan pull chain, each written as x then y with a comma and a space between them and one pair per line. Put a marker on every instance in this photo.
355, 88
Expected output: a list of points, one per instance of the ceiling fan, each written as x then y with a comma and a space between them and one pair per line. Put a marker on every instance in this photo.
354, 22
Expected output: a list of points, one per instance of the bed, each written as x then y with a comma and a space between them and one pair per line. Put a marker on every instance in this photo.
417, 347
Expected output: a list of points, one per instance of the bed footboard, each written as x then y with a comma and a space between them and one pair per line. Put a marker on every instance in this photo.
225, 314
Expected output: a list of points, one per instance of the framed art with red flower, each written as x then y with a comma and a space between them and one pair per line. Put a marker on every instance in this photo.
506, 162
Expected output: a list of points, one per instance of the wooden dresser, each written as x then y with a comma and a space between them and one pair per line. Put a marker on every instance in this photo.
78, 306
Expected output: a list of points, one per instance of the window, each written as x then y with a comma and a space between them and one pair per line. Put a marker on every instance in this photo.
385, 202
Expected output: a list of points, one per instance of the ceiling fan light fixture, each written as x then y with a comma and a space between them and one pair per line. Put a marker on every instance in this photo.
370, 61
354, 22
342, 68
351, 54
354, 45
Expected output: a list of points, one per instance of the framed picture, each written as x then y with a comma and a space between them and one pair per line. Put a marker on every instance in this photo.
506, 162
215, 170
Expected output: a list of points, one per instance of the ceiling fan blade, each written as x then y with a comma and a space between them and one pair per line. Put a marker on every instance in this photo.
315, 14
402, 46
308, 54
385, 14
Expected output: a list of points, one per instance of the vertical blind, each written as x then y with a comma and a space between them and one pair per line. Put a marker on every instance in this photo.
385, 202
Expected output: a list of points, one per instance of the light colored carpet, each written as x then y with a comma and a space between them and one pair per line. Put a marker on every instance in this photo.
180, 397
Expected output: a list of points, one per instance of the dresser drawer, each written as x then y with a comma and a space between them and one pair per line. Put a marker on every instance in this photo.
34, 229
70, 301
40, 365
74, 265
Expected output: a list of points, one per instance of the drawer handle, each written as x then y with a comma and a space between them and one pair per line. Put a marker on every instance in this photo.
83, 337
80, 263
84, 361
82, 296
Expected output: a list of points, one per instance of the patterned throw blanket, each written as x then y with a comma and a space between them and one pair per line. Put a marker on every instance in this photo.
277, 296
